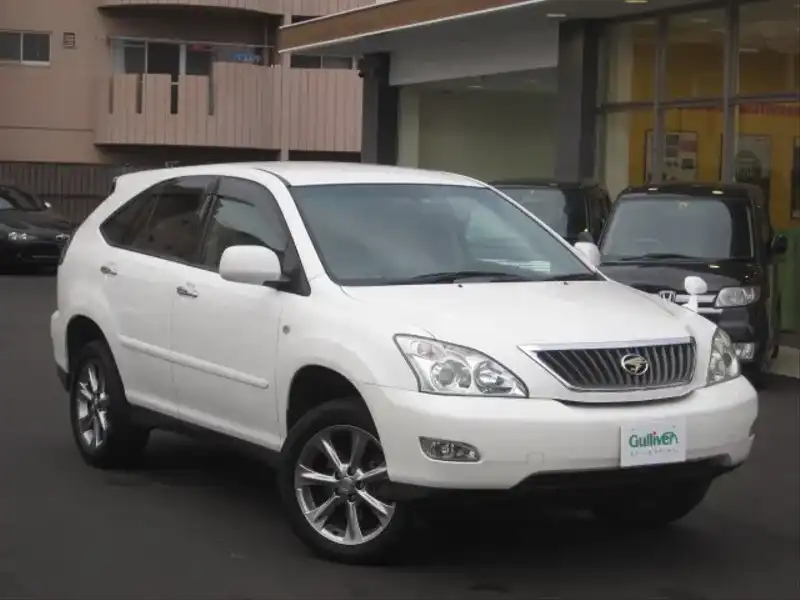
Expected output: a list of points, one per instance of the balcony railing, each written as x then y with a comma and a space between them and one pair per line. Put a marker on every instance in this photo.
238, 105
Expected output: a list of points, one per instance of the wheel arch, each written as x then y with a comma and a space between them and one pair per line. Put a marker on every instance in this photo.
81, 330
313, 385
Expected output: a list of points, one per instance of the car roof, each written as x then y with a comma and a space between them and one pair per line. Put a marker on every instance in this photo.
542, 182
743, 191
303, 173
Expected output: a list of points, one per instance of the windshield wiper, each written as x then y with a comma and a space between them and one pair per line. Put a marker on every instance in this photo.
453, 276
655, 256
573, 277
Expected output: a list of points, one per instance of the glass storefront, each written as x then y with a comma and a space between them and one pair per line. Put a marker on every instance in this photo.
709, 95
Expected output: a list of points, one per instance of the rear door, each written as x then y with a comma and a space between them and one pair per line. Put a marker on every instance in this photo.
150, 237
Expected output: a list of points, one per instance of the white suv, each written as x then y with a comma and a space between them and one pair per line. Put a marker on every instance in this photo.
387, 333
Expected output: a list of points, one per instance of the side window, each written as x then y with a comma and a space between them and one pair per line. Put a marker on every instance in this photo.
175, 227
245, 214
123, 226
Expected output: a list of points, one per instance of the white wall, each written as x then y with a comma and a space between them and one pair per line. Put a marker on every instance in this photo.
476, 52
483, 134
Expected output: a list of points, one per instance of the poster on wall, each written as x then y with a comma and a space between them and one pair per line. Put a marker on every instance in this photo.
680, 156
753, 159
796, 180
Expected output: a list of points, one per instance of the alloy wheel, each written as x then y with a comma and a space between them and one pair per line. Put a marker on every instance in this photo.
337, 484
91, 399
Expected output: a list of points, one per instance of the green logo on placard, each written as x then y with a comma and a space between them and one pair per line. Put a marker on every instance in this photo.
653, 439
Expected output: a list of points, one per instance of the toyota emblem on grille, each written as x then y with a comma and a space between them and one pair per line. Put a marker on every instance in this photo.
62, 237
634, 364
667, 295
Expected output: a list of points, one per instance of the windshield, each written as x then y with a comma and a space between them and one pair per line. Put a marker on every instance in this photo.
565, 213
16, 199
677, 227
394, 234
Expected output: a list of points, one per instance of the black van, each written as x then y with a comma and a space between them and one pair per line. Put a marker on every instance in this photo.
569, 208
658, 235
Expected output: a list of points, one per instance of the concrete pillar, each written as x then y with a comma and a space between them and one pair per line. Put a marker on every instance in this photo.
408, 128
578, 78
379, 117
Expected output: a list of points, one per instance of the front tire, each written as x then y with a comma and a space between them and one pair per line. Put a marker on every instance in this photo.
99, 412
651, 507
332, 481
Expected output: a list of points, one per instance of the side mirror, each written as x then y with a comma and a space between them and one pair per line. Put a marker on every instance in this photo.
585, 236
779, 245
695, 287
590, 252
254, 265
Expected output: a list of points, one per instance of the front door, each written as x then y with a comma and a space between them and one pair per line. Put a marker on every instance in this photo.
225, 334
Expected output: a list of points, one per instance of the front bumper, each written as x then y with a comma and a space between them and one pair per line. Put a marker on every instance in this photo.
30, 253
519, 439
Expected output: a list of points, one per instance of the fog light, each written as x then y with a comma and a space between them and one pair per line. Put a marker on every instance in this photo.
448, 451
745, 351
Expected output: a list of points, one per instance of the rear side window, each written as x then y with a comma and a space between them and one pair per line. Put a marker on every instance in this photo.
175, 226
123, 226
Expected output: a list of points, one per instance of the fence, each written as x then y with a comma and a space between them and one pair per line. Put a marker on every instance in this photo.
74, 190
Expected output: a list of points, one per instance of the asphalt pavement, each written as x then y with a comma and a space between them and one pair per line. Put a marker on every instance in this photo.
198, 522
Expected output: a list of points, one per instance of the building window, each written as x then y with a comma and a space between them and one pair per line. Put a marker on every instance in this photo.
25, 47
702, 96
181, 58
307, 61
769, 47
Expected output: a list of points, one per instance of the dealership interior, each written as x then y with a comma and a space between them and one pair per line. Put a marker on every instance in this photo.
663, 72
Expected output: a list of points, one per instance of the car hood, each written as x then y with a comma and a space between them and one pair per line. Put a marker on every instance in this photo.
654, 276
33, 221
495, 316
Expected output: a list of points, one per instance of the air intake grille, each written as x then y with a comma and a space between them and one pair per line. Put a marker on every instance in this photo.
609, 369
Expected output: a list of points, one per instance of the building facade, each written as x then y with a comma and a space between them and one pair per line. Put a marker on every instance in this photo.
92, 84
625, 92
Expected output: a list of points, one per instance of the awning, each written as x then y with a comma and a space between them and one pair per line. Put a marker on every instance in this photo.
346, 29
385, 26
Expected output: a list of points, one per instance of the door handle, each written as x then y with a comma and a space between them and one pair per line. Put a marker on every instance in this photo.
186, 292
108, 270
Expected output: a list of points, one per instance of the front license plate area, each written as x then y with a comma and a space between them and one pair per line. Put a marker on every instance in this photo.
653, 443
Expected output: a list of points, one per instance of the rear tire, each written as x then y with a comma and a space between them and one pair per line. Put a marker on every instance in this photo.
355, 521
651, 507
100, 414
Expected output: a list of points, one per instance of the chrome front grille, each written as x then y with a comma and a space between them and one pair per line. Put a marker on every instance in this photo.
603, 369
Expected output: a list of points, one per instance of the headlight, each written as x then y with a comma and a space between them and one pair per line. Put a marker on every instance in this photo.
738, 296
723, 363
18, 236
455, 370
